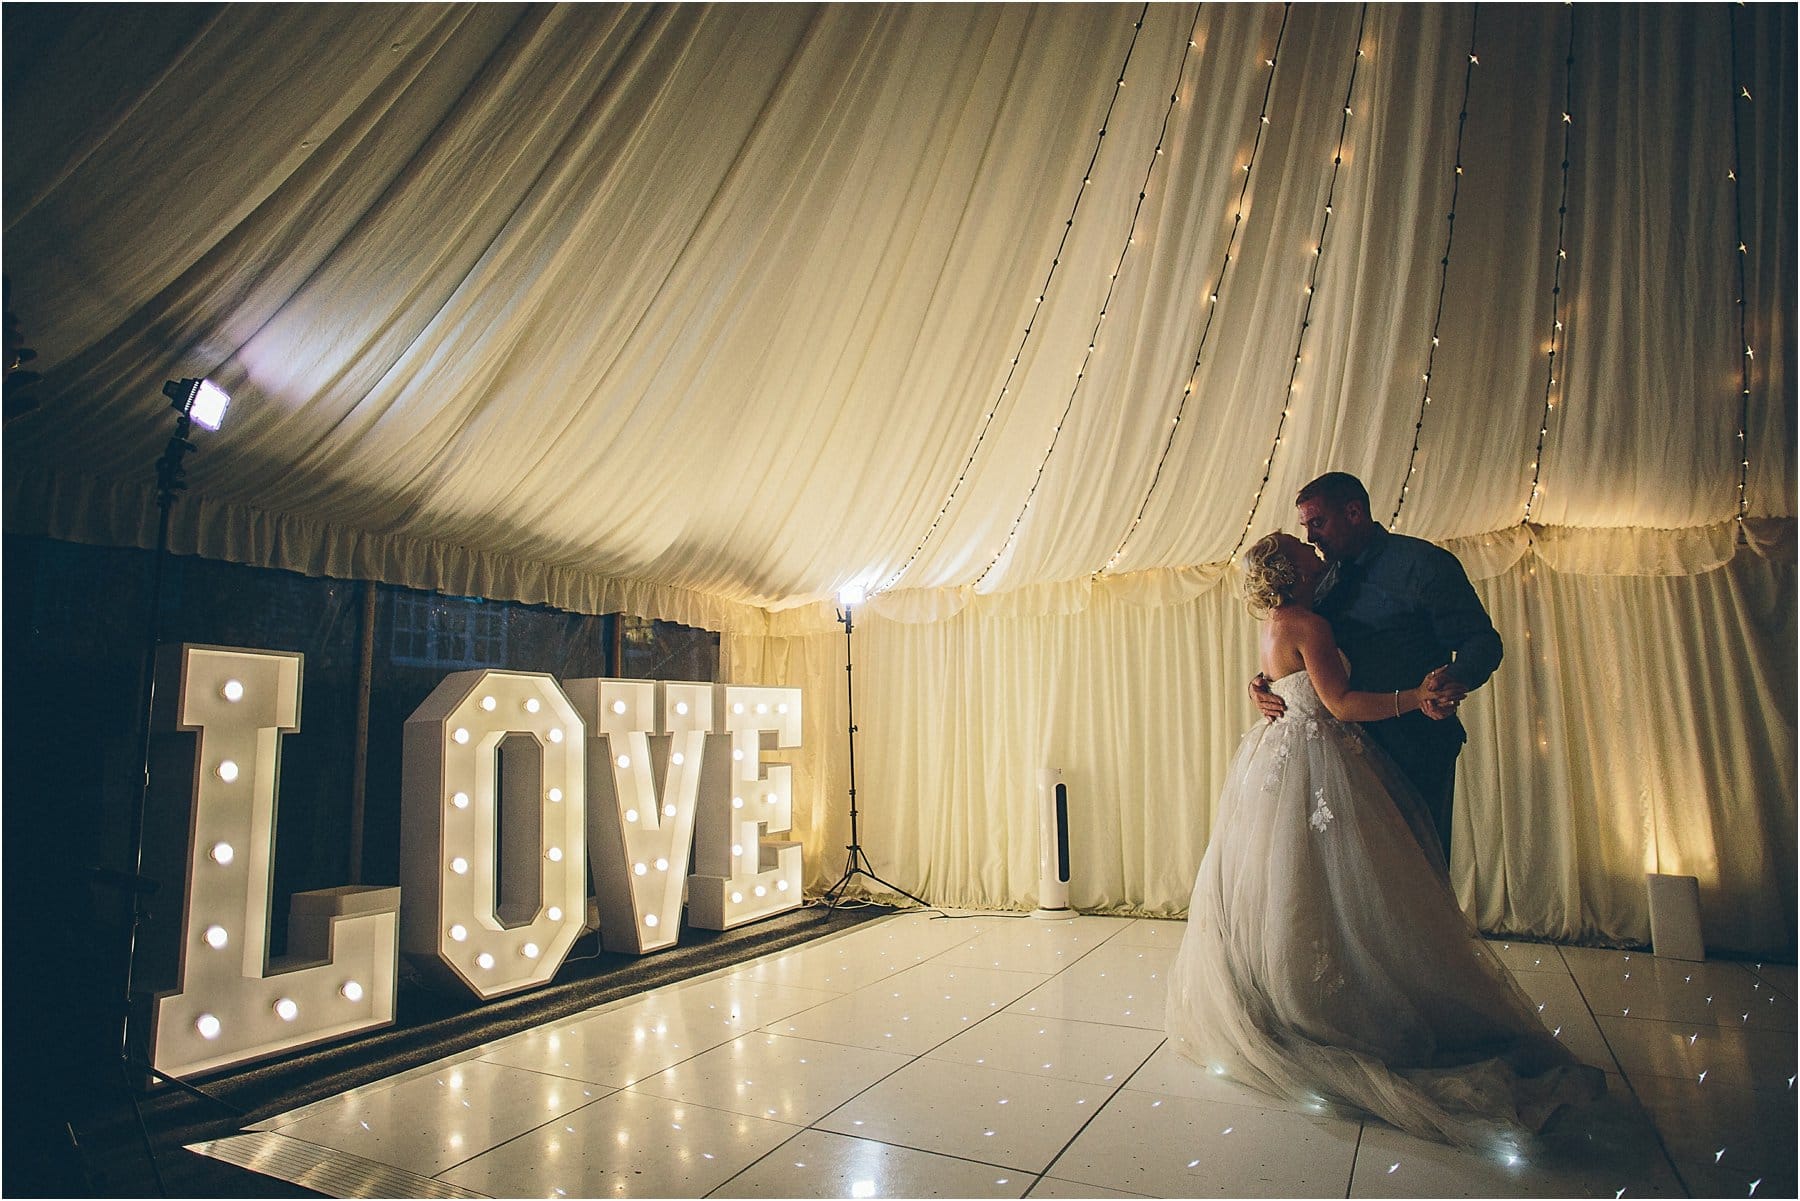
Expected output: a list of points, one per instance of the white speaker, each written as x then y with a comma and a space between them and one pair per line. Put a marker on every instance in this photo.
1053, 847
1675, 917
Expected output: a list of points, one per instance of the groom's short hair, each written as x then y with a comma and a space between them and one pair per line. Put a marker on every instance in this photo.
1336, 489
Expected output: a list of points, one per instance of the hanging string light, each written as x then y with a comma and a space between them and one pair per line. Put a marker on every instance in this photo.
1748, 358
1562, 256
1037, 308
1437, 316
1312, 281
1212, 295
1112, 283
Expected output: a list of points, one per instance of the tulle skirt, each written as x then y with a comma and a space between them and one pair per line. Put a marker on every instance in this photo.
1326, 957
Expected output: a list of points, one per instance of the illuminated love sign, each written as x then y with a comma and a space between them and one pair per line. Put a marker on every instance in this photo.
498, 837
640, 838
232, 1004
741, 875
454, 922
671, 765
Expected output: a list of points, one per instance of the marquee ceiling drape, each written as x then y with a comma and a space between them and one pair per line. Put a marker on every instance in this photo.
706, 311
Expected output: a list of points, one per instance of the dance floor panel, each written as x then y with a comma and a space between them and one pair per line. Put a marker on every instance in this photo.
993, 1055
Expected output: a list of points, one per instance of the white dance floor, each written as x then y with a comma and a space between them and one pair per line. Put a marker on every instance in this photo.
1000, 1056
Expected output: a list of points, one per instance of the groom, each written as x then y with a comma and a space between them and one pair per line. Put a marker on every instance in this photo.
1399, 607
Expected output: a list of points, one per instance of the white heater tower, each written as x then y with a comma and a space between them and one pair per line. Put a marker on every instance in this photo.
1053, 846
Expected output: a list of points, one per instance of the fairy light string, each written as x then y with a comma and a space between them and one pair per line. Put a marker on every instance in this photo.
1037, 308
1562, 256
1212, 296
1112, 284
1740, 96
1312, 280
1437, 317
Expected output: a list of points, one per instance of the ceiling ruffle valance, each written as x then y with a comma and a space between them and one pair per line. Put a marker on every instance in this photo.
124, 514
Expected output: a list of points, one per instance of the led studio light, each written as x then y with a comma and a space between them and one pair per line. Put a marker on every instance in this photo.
199, 400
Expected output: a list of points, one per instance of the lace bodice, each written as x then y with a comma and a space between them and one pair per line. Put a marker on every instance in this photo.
1296, 688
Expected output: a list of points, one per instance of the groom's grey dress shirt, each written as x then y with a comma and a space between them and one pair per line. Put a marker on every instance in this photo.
1404, 607
1399, 610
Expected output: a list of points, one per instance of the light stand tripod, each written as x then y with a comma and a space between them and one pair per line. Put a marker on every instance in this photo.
858, 863
191, 400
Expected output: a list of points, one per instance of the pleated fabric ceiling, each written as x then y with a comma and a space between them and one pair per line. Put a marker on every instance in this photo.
707, 311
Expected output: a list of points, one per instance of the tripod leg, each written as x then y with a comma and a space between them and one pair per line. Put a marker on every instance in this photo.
143, 1129
859, 865
921, 902
835, 893
190, 1089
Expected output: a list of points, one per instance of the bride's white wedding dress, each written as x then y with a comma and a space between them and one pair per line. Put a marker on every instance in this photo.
1326, 956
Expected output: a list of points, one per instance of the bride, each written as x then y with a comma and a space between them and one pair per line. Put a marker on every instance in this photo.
1326, 958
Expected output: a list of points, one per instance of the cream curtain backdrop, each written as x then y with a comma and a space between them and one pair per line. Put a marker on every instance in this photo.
703, 312
1640, 722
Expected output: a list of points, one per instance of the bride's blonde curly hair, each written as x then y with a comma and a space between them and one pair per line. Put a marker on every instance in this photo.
1269, 575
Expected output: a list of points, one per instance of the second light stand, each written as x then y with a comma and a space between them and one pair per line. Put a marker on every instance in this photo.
858, 863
